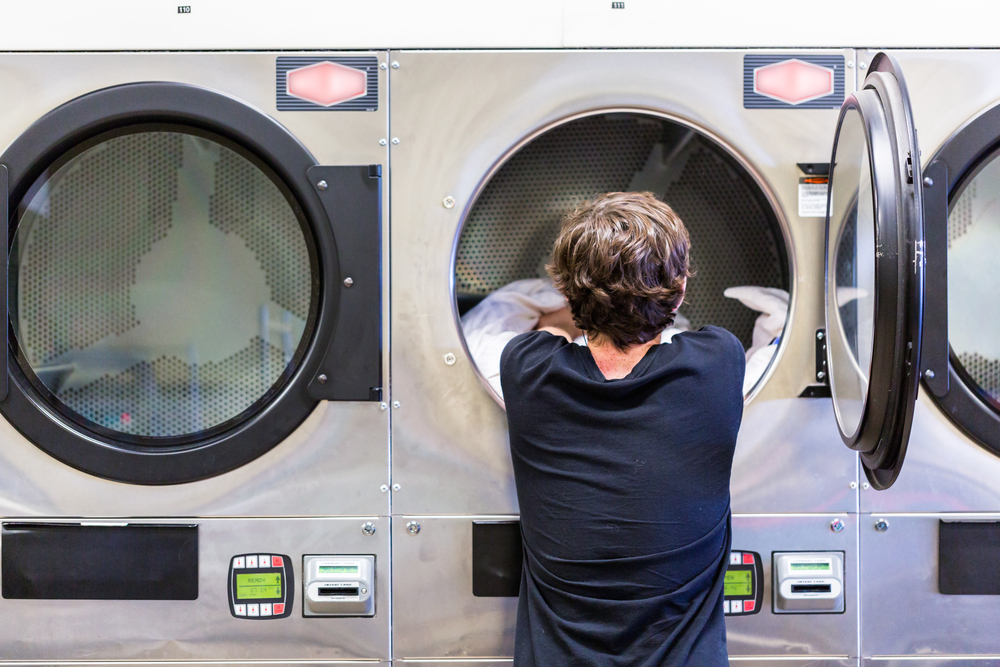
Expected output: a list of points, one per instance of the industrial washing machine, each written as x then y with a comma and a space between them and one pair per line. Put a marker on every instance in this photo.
493, 148
194, 441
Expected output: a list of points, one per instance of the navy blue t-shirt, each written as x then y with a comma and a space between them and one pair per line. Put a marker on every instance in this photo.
624, 493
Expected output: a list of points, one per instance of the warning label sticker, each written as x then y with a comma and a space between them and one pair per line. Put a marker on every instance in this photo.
812, 196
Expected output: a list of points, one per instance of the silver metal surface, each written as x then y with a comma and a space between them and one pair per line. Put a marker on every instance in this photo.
454, 431
435, 614
950, 661
335, 461
747, 662
903, 613
52, 630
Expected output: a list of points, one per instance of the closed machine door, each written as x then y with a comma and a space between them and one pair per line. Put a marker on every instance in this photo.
875, 271
184, 283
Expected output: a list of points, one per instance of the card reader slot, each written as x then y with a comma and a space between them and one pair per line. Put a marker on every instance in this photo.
811, 588
348, 591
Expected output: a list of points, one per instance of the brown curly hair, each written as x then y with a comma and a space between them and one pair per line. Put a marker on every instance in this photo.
621, 260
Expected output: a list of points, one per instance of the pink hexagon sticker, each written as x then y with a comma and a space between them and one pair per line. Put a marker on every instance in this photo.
793, 81
326, 83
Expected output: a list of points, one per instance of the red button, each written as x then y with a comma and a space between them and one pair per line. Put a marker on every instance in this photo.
748, 559
279, 608
278, 561
748, 605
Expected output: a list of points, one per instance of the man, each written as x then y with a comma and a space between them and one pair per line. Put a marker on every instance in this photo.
622, 452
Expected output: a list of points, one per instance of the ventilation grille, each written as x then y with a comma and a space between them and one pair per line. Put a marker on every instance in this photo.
510, 230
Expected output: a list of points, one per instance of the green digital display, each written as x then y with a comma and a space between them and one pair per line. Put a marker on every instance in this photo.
258, 586
823, 566
338, 569
739, 583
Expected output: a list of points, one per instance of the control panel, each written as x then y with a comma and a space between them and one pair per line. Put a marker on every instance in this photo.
261, 586
808, 582
338, 585
744, 585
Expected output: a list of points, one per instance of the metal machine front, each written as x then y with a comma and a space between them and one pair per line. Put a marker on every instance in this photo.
191, 397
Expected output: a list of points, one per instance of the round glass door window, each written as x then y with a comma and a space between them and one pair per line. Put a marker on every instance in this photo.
851, 277
163, 286
974, 282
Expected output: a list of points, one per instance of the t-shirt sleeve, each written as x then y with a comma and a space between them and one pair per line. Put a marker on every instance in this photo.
527, 353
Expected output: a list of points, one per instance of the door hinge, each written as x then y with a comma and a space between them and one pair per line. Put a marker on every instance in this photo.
821, 387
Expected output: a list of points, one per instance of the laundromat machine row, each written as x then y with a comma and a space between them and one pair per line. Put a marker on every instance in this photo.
217, 261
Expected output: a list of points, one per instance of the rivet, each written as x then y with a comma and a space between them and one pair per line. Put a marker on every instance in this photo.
448, 202
853, 484
862, 65
395, 404
395, 65
850, 64
929, 374
881, 525
383, 405
322, 379
322, 185
413, 528
396, 487
368, 528
819, 335
820, 375
450, 359
348, 281
837, 525
384, 488
928, 181
383, 66
382, 142
864, 485
395, 141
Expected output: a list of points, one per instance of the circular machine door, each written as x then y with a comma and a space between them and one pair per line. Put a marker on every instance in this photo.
961, 358
875, 271
172, 276
737, 235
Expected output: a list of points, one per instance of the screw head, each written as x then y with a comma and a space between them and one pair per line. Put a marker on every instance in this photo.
929, 374
850, 64
837, 525
383, 66
853, 484
862, 65
364, 591
448, 202
322, 379
395, 404
819, 335
450, 359
395, 141
384, 488
820, 375
348, 281
395, 65
881, 525
322, 185
928, 181
382, 142
368, 528
413, 528
864, 485
383, 405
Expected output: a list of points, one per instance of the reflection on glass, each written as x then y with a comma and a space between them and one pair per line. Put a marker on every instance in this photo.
974, 280
851, 282
161, 284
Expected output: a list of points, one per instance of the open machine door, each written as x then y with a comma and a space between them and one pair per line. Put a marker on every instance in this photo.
875, 271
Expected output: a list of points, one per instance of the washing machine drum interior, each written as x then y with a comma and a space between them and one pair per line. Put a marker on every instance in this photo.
162, 286
736, 238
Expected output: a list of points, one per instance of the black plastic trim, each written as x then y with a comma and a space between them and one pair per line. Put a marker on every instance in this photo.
112, 109
960, 157
497, 558
934, 351
351, 366
3, 279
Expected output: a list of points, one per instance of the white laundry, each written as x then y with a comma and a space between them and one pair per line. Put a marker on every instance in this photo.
515, 309
772, 303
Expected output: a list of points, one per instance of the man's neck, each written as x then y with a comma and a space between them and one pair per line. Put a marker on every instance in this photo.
614, 363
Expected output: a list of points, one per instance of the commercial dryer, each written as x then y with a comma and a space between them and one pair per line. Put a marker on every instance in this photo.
489, 150
193, 437
929, 593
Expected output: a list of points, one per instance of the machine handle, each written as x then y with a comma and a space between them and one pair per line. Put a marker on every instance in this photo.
351, 369
934, 348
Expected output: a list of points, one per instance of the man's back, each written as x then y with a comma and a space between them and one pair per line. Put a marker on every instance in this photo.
624, 493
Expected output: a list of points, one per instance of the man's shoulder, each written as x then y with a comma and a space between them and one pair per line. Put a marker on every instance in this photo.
528, 347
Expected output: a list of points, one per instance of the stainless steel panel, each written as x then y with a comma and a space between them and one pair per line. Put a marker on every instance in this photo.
435, 614
745, 662
963, 661
902, 612
338, 458
52, 630
457, 114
